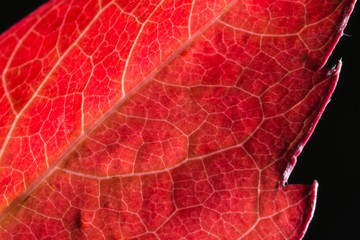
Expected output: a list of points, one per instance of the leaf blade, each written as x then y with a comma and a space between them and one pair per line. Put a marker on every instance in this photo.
144, 114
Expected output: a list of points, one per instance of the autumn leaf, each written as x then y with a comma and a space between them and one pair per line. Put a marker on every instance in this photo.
163, 119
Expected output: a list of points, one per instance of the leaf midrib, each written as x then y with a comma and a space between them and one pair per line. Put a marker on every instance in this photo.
111, 110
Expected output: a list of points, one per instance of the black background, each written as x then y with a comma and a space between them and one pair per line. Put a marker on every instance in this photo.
330, 156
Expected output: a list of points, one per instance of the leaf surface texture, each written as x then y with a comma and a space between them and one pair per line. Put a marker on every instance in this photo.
162, 119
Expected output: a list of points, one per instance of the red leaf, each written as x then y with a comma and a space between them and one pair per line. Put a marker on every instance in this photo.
162, 120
